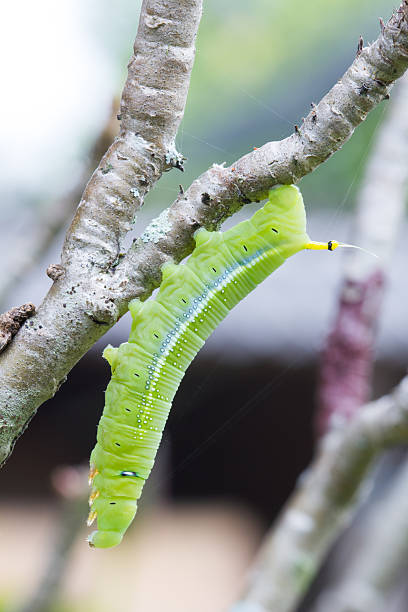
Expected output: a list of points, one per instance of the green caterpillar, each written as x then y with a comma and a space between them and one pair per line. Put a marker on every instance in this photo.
166, 335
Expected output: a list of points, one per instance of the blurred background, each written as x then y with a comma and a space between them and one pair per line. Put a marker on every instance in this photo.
259, 66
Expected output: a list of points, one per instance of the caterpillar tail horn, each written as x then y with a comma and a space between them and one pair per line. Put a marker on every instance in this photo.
332, 245
323, 246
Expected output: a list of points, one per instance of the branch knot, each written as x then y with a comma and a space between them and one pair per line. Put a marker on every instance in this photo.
12, 320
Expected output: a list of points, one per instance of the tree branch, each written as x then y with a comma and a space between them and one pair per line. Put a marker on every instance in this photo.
86, 299
323, 503
98, 283
220, 192
152, 107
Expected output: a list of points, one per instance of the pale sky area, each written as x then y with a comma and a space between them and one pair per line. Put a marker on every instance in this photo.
58, 80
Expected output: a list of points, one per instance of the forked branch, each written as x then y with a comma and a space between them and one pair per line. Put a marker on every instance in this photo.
98, 282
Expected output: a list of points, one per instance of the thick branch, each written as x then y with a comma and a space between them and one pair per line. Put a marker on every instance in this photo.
95, 291
152, 107
86, 299
322, 504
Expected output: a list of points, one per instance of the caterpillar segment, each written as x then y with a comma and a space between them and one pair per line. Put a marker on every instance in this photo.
165, 336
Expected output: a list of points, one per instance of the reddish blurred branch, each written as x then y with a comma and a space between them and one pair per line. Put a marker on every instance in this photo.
98, 281
347, 360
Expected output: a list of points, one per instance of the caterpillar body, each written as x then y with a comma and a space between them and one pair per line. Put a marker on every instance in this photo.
166, 334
